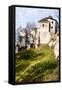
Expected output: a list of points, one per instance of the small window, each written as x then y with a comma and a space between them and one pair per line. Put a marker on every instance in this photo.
51, 27
52, 21
42, 25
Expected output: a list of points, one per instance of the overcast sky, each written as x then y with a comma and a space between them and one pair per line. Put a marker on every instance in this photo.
25, 15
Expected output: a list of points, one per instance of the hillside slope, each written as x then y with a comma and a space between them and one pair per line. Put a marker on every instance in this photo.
36, 65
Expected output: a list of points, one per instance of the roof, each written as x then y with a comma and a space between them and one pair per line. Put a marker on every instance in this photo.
46, 19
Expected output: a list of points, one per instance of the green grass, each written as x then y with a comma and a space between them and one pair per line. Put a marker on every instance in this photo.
36, 65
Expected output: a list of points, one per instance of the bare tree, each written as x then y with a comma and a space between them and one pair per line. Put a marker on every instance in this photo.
28, 29
26, 38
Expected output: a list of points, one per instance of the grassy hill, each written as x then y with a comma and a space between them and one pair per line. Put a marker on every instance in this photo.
36, 65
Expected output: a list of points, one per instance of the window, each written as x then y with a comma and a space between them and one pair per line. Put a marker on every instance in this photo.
51, 27
42, 25
52, 21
